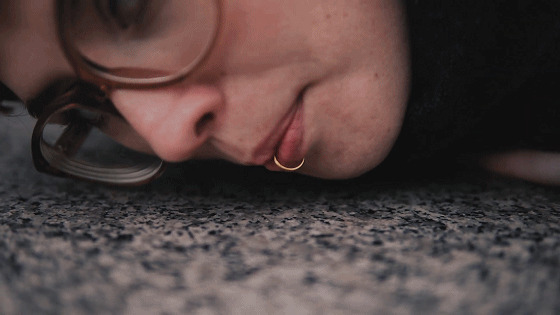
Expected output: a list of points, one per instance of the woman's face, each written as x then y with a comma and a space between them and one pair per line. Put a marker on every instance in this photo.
324, 80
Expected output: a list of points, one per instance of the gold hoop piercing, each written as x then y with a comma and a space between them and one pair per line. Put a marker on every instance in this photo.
289, 169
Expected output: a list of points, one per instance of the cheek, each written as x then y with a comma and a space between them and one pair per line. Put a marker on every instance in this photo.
32, 64
33, 56
259, 35
358, 121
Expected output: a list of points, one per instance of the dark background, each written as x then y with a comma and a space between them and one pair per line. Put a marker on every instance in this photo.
216, 239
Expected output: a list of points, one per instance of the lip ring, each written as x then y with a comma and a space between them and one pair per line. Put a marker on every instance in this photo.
297, 113
267, 149
289, 169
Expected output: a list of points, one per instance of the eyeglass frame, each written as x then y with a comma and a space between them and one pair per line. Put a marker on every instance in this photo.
83, 93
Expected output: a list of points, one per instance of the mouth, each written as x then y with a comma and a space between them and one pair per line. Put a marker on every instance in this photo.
286, 141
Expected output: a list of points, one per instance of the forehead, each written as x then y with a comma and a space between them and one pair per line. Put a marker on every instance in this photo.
31, 54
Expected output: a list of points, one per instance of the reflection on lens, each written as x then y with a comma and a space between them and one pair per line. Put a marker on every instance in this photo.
97, 148
74, 142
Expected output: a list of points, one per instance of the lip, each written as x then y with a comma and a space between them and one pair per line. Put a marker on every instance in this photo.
286, 139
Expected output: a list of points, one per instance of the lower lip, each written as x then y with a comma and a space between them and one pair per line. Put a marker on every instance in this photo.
289, 151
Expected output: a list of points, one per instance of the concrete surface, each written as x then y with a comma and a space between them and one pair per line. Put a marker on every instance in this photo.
217, 239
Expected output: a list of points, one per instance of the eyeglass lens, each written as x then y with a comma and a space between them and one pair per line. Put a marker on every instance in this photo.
90, 144
140, 38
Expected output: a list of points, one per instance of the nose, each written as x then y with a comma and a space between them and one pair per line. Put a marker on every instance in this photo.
175, 122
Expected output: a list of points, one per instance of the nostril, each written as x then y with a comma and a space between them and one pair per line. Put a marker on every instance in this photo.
203, 123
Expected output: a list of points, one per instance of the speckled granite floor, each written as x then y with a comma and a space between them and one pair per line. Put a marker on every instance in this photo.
226, 240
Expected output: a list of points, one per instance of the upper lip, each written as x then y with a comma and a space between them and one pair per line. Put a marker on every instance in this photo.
266, 149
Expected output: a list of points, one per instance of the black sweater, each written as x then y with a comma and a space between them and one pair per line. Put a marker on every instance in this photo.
485, 76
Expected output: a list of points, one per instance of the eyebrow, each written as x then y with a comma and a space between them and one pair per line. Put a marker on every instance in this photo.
36, 104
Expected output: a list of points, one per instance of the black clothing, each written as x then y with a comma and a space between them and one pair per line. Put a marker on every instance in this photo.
485, 76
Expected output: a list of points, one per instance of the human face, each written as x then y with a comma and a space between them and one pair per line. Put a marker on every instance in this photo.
324, 80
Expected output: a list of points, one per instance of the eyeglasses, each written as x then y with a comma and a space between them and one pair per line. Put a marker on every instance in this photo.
117, 44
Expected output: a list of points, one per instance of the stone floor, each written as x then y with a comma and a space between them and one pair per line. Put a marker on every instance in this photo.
217, 239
